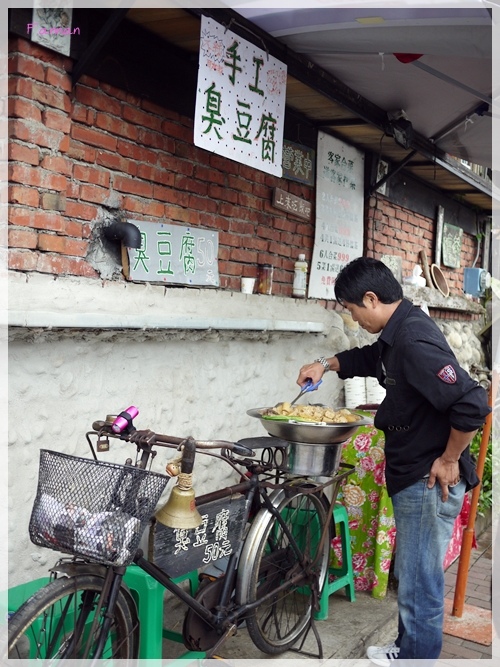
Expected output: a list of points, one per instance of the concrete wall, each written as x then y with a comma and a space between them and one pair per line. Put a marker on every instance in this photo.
192, 361
185, 377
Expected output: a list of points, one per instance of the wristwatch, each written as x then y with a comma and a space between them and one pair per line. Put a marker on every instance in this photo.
324, 363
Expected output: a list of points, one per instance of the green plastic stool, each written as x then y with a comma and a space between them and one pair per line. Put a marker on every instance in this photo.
17, 595
344, 575
148, 594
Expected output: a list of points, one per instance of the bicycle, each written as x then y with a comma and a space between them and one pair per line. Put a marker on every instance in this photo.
278, 549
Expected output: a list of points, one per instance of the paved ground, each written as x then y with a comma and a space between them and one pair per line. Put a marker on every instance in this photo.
478, 596
352, 626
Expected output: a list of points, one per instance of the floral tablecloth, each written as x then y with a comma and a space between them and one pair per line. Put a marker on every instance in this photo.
371, 519
458, 530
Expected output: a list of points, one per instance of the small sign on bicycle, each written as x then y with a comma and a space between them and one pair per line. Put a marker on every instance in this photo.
178, 551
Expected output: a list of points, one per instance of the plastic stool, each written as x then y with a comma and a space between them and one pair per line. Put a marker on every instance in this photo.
17, 595
148, 594
344, 575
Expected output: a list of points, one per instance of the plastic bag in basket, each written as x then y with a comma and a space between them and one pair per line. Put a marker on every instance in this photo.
108, 535
103, 536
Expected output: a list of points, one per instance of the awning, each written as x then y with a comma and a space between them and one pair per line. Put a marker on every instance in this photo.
435, 64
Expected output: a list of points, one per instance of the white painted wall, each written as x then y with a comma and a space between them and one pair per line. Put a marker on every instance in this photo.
193, 361
197, 382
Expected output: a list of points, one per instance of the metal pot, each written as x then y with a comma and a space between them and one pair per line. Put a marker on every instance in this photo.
305, 433
304, 458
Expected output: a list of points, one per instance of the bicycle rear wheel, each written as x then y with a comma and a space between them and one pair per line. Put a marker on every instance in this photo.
279, 622
61, 621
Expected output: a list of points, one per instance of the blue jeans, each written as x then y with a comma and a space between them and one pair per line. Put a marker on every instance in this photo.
424, 525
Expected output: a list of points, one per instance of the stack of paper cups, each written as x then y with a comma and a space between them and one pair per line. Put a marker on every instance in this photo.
355, 392
374, 392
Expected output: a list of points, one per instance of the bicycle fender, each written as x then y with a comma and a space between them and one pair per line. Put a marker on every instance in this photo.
254, 535
250, 544
72, 569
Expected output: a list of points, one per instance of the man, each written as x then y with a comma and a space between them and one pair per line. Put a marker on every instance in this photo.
430, 414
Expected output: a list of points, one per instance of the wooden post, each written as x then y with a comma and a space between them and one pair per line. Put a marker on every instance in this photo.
468, 534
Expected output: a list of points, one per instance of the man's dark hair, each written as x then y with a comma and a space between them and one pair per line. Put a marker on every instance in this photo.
366, 274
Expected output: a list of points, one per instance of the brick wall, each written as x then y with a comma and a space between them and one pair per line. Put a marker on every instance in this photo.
77, 156
393, 230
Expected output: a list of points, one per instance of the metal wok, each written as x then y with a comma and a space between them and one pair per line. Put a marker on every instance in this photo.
309, 433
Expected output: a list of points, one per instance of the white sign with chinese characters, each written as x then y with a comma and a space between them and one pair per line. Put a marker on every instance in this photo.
339, 213
175, 254
240, 100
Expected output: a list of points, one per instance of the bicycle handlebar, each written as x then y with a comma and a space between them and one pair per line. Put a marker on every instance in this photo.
122, 427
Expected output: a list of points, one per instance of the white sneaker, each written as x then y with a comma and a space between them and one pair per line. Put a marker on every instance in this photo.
382, 655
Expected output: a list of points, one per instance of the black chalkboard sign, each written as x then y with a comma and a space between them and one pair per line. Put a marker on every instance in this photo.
178, 551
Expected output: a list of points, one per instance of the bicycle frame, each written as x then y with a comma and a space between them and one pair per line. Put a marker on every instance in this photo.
213, 619
221, 621
271, 534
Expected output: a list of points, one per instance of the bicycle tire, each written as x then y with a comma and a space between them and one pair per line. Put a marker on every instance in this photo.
276, 625
43, 627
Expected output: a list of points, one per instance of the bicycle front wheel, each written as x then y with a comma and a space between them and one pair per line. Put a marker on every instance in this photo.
279, 621
63, 620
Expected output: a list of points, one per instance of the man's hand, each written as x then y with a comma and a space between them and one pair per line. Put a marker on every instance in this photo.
445, 469
316, 370
313, 372
446, 473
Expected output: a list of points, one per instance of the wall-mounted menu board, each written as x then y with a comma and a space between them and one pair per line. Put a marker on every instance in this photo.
452, 245
339, 213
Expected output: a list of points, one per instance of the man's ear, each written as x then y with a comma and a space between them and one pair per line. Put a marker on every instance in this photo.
370, 300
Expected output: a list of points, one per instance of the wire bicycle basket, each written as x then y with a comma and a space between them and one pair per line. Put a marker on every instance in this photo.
93, 509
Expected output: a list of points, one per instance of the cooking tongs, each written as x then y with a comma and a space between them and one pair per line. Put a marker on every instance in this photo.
308, 386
